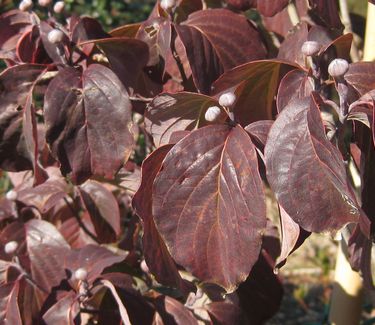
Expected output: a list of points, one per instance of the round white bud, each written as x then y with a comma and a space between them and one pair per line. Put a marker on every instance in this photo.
11, 195
310, 48
167, 4
44, 3
25, 5
81, 274
212, 113
10, 247
338, 67
55, 36
227, 99
59, 7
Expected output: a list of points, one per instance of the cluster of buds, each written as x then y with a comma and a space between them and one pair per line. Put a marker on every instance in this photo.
214, 113
58, 7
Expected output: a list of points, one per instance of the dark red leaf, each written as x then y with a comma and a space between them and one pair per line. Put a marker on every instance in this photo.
361, 76
87, 29
216, 41
44, 196
9, 310
127, 58
93, 258
271, 7
185, 8
103, 209
157, 34
307, 172
15, 86
13, 24
295, 84
255, 85
223, 313
46, 249
290, 48
259, 132
30, 130
157, 257
74, 234
168, 113
292, 237
326, 12
64, 311
74, 108
172, 312
209, 205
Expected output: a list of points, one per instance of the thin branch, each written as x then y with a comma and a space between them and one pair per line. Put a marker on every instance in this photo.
139, 98
81, 224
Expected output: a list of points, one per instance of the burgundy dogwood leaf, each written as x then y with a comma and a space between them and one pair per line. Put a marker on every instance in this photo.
13, 24
46, 249
171, 311
223, 313
326, 12
216, 41
44, 196
361, 76
15, 86
157, 257
64, 311
127, 57
255, 85
103, 209
306, 172
266, 8
93, 258
9, 310
292, 237
74, 108
259, 132
206, 210
168, 113
295, 84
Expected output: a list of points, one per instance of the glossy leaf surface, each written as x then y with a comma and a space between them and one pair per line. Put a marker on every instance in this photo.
168, 113
213, 196
75, 105
306, 171
157, 257
217, 41
255, 85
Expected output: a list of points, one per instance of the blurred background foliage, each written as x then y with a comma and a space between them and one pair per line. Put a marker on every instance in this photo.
114, 13
111, 13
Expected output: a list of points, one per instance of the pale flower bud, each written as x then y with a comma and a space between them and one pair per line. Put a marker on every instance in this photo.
25, 5
44, 3
310, 48
81, 274
11, 195
227, 99
338, 67
10, 247
59, 7
55, 36
212, 113
167, 5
